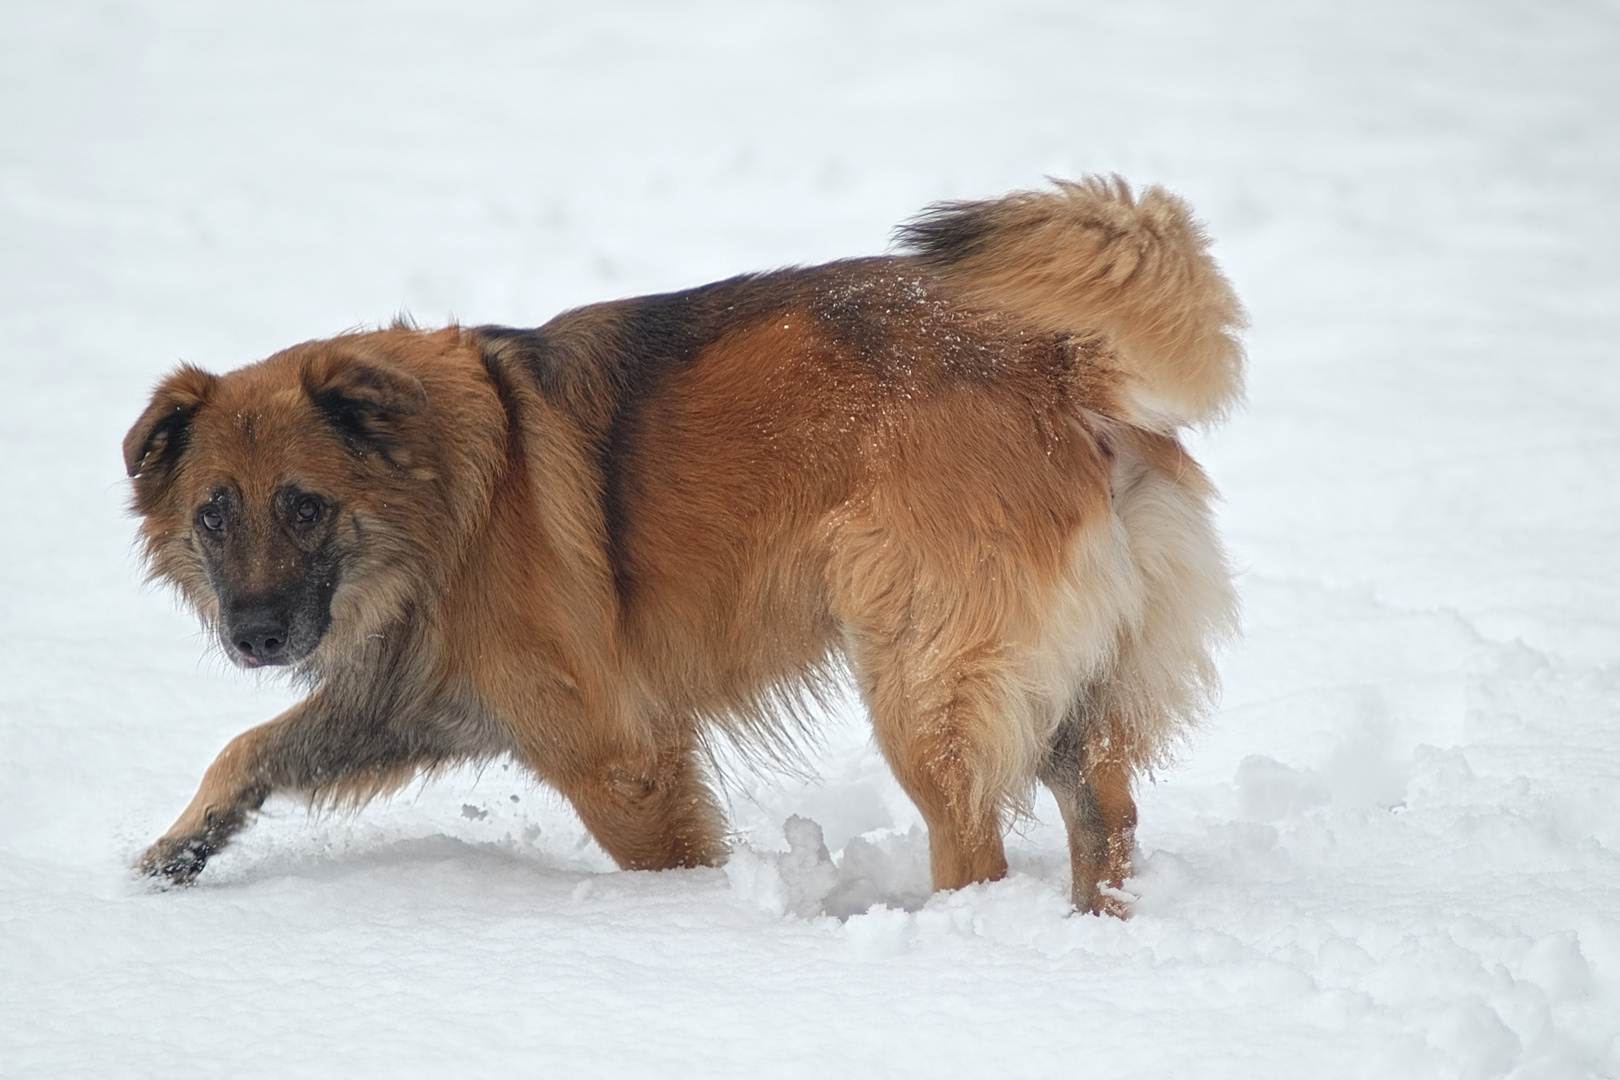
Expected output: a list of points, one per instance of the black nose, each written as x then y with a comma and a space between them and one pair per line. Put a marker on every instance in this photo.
260, 635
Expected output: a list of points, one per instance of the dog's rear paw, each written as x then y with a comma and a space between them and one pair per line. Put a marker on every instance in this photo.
1112, 900
1104, 898
176, 860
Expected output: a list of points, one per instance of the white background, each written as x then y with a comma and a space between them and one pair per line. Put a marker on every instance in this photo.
1393, 851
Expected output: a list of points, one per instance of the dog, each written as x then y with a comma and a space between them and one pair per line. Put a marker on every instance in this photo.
598, 546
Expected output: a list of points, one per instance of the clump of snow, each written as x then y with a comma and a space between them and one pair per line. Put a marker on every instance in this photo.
1393, 852
805, 881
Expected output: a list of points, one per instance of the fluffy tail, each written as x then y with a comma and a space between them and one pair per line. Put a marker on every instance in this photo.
1092, 257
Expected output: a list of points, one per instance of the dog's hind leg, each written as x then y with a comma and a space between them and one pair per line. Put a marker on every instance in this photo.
1092, 784
937, 633
938, 714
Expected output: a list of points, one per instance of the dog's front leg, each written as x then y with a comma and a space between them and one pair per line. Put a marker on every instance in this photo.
236, 784
649, 810
317, 748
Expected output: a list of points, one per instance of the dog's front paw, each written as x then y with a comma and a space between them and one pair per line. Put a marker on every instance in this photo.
176, 860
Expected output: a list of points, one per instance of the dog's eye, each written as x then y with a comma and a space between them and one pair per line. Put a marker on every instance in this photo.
308, 510
212, 519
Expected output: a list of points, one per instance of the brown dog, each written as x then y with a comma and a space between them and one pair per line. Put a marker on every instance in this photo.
595, 545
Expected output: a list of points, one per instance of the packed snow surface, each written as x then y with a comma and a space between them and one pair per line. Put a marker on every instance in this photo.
1394, 849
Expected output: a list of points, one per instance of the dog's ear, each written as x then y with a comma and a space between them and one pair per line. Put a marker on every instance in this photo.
364, 402
159, 437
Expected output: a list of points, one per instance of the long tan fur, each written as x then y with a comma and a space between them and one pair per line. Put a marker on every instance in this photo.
595, 545
1092, 256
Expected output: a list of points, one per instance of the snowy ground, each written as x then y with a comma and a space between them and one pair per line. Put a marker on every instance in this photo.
1393, 852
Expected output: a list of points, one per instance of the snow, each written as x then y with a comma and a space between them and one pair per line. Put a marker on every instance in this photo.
1394, 851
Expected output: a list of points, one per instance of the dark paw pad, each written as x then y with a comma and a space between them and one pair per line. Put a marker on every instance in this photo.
176, 862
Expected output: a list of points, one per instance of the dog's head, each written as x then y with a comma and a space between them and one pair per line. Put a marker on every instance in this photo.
282, 499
